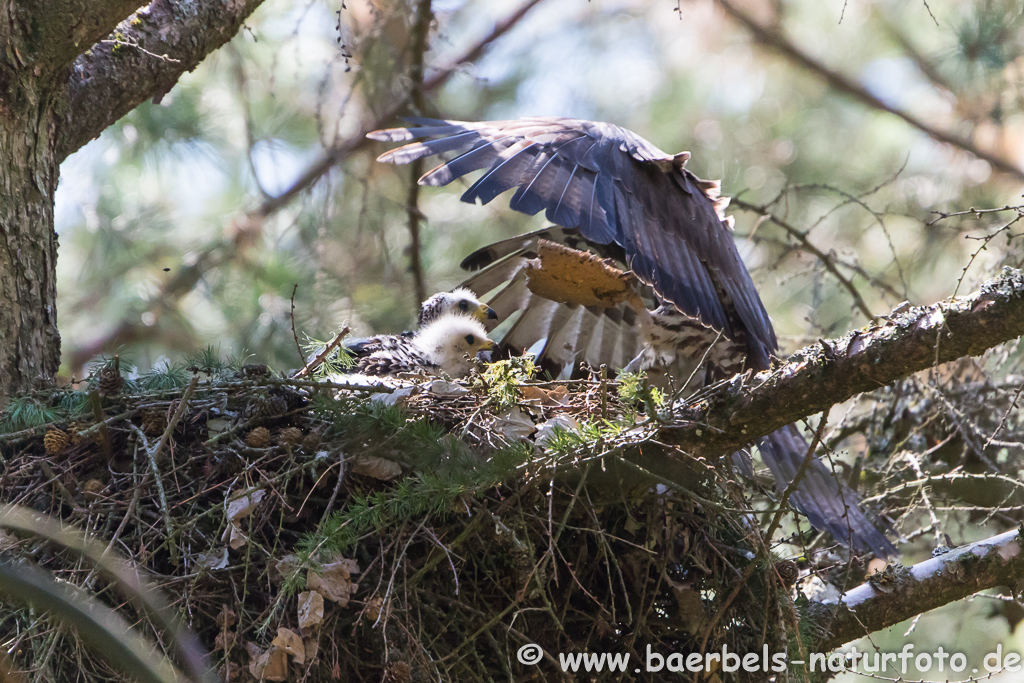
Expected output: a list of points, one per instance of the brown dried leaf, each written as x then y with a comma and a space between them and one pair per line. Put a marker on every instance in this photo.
291, 642
312, 646
7, 541
514, 424
226, 617
234, 536
378, 468
244, 506
373, 607
311, 609
271, 665
224, 640
334, 581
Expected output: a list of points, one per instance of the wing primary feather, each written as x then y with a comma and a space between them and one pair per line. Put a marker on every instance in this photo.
554, 214
474, 192
436, 177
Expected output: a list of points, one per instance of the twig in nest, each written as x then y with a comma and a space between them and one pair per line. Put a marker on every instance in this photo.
766, 538
318, 360
298, 346
97, 413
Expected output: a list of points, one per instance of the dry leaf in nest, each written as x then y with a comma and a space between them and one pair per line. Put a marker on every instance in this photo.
311, 609
237, 510
691, 607
226, 617
224, 640
553, 397
376, 467
577, 277
244, 505
546, 430
230, 671
258, 438
514, 425
291, 642
55, 441
215, 559
334, 581
271, 665
312, 647
7, 541
373, 607
440, 387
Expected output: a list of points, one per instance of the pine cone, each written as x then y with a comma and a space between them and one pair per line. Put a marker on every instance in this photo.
73, 434
788, 571
266, 406
312, 441
55, 441
291, 435
154, 422
109, 381
258, 438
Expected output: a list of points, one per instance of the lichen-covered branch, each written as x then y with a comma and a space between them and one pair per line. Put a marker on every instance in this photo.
54, 33
900, 592
727, 417
143, 60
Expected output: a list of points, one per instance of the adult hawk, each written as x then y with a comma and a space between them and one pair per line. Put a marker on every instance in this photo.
616, 193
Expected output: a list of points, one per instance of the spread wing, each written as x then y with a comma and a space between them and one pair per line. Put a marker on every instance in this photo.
560, 335
616, 189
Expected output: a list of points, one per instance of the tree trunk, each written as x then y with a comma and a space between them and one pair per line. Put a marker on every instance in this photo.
61, 84
29, 342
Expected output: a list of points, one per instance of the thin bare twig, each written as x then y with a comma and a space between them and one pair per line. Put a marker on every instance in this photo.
318, 360
777, 41
357, 141
418, 47
825, 259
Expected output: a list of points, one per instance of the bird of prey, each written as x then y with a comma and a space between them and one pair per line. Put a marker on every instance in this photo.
613, 192
448, 344
459, 301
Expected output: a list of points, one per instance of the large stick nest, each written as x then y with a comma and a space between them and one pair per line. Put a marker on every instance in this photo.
310, 532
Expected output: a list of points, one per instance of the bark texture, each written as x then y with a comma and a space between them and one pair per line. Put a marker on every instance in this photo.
901, 592
729, 416
68, 69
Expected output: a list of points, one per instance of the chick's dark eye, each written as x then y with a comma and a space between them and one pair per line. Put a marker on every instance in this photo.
463, 305
470, 339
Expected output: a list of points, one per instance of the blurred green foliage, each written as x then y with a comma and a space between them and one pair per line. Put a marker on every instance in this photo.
163, 248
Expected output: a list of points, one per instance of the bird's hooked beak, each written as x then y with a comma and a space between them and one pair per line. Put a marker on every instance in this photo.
485, 313
488, 345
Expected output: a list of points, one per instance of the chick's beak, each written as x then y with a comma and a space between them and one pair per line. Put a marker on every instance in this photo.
487, 313
487, 345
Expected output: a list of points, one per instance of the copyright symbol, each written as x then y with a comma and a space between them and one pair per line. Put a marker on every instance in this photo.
529, 654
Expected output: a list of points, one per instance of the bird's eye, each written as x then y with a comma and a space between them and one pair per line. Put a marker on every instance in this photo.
470, 339
463, 305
